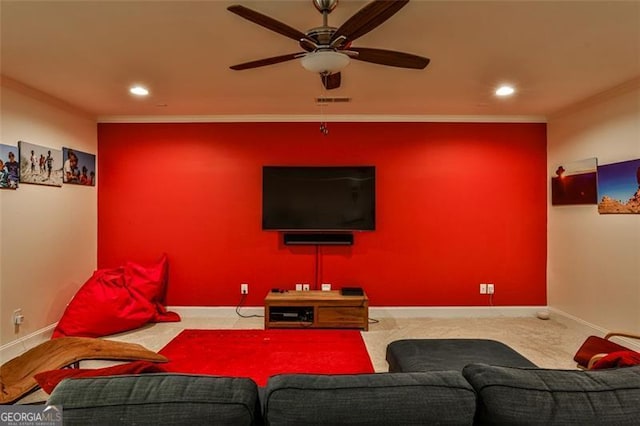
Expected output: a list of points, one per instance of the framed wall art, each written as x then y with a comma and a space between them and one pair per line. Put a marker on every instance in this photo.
619, 188
575, 182
9, 167
40, 165
79, 167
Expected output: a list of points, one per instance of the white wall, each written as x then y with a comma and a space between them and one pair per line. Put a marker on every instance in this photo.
49, 234
594, 259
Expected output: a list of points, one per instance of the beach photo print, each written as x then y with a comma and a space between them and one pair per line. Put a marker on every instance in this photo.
9, 167
79, 167
40, 165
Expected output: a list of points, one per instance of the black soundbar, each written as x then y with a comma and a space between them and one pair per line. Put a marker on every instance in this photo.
315, 238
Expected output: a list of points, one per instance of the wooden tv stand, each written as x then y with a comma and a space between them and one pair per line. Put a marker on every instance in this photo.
315, 309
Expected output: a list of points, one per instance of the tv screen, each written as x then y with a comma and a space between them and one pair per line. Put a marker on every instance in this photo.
318, 198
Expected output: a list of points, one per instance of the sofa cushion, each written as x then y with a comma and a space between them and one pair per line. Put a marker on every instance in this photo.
158, 399
520, 396
369, 399
412, 355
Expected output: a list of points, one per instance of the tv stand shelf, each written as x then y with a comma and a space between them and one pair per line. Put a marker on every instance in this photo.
315, 309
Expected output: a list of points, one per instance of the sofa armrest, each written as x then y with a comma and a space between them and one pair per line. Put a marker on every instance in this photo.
555, 397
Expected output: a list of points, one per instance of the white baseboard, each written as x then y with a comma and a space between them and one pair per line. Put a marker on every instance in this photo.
599, 331
19, 346
596, 329
453, 312
215, 311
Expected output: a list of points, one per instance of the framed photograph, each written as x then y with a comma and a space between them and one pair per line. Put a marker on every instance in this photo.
40, 165
9, 167
79, 167
619, 188
575, 182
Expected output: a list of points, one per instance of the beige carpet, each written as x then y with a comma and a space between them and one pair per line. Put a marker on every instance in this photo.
547, 343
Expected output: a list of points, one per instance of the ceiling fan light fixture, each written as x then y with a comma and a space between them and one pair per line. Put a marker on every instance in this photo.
324, 61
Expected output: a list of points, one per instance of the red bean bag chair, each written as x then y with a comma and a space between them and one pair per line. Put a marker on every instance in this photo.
116, 300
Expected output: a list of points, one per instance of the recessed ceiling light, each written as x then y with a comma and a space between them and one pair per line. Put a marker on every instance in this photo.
505, 90
139, 90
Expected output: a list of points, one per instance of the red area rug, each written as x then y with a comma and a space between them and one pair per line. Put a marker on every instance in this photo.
259, 354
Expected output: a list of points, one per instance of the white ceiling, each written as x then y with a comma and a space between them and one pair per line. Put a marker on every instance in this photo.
87, 53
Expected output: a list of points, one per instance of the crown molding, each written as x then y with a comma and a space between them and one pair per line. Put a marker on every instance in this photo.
322, 118
620, 89
41, 96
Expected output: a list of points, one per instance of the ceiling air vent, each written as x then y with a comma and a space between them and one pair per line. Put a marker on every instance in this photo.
332, 100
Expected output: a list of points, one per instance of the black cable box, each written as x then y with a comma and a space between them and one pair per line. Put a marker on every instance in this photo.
291, 313
352, 291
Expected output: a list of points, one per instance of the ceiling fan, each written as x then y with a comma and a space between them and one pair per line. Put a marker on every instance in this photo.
328, 49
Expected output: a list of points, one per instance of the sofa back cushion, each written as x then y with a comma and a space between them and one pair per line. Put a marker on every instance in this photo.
369, 399
521, 396
158, 399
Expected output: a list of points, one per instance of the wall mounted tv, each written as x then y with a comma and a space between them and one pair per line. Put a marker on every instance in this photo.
319, 198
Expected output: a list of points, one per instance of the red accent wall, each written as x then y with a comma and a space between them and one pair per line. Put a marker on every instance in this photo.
457, 204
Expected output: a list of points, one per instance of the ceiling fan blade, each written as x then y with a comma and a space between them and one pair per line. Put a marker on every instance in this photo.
368, 18
267, 22
331, 81
390, 57
266, 61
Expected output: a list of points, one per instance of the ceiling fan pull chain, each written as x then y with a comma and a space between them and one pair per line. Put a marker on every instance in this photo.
323, 124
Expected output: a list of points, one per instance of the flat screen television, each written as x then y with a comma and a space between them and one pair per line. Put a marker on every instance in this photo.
339, 198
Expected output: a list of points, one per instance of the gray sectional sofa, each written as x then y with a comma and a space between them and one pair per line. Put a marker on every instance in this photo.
460, 394
481, 394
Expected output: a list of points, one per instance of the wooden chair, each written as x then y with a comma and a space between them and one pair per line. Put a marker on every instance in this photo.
595, 348
16, 375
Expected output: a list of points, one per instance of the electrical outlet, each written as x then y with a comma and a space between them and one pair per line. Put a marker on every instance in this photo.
490, 288
17, 318
305, 287
299, 287
244, 288
483, 288
326, 287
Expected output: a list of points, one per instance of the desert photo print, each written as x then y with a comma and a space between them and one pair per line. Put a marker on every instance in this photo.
619, 188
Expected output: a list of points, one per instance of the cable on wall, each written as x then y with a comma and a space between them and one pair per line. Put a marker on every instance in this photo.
243, 299
317, 271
